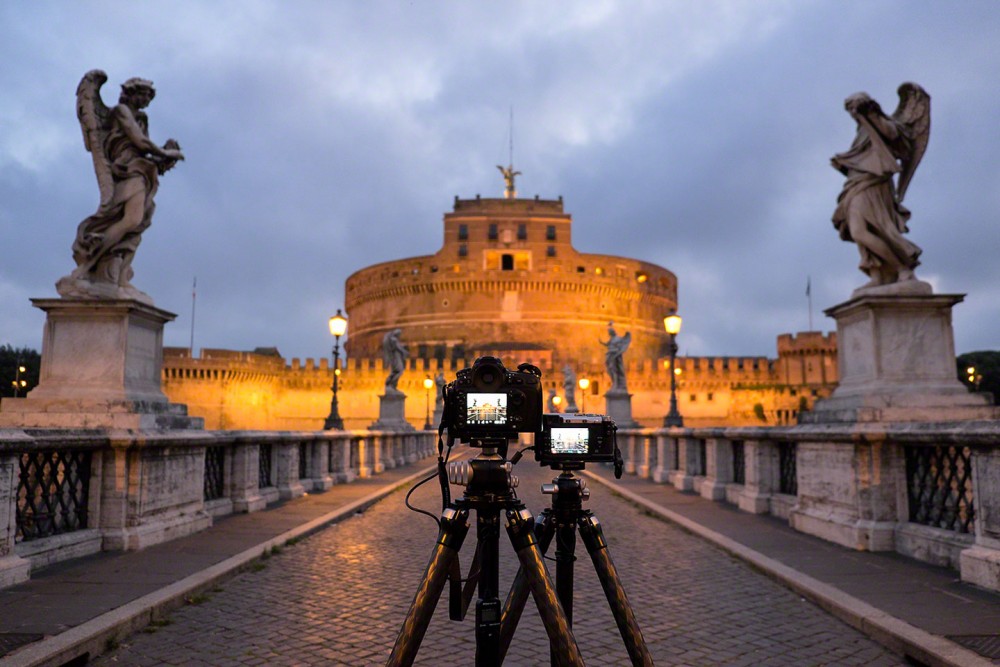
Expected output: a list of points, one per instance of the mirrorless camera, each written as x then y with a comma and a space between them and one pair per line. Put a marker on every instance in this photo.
490, 402
572, 437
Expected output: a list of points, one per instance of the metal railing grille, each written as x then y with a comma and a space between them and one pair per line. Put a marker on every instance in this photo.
739, 463
52, 493
264, 467
215, 472
939, 487
788, 482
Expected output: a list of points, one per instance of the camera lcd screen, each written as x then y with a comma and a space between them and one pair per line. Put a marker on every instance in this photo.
570, 440
485, 408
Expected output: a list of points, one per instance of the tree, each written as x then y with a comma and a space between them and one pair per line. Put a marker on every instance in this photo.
11, 359
985, 377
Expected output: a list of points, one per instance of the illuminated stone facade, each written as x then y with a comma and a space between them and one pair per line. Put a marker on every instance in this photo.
507, 282
508, 279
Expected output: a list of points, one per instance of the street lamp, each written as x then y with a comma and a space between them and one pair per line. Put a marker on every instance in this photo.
338, 325
428, 383
672, 323
18, 382
584, 383
557, 401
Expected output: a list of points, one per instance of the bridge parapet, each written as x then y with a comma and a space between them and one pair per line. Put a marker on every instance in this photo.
930, 491
69, 493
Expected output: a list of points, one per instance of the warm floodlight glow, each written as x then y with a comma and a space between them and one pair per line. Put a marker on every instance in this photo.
678, 371
428, 382
556, 400
338, 324
672, 323
584, 383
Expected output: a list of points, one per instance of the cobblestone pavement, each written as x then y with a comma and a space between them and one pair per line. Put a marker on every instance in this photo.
339, 598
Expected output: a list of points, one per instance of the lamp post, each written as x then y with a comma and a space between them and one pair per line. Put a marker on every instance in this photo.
672, 323
18, 382
584, 383
557, 401
428, 383
338, 325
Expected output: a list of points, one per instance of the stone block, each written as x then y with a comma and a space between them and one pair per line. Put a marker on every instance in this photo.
619, 407
101, 368
391, 413
897, 363
981, 566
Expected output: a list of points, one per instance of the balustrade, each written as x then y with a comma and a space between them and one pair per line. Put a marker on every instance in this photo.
65, 494
929, 491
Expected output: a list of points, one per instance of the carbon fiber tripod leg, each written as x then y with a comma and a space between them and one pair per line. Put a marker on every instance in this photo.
454, 527
593, 537
545, 527
557, 627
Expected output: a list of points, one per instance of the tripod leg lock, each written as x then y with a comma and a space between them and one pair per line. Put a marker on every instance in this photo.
454, 527
521, 528
591, 532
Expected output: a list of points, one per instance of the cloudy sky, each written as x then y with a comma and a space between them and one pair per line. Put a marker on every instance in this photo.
325, 136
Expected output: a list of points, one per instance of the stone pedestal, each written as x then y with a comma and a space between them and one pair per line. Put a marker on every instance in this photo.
391, 413
896, 357
101, 367
619, 407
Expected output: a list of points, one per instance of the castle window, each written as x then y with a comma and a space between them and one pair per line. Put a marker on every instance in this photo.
641, 276
550, 251
507, 262
694, 398
463, 250
434, 269
493, 232
522, 232
550, 233
581, 269
463, 232
710, 396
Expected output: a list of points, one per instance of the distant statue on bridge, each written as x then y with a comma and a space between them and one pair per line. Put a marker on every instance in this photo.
439, 383
870, 208
569, 389
510, 192
128, 165
613, 358
395, 354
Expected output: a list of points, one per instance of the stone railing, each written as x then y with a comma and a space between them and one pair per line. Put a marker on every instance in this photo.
929, 491
65, 494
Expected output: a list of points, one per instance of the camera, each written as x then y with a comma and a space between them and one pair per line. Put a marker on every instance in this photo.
490, 402
576, 438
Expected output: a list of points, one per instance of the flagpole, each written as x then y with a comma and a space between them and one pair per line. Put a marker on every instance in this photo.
194, 294
809, 296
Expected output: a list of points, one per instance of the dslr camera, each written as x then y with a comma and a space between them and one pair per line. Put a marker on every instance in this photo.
575, 438
487, 402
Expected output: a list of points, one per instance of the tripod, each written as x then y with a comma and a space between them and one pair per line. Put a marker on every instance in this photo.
489, 489
561, 521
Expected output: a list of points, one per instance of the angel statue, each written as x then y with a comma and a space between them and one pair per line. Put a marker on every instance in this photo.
127, 165
617, 345
569, 389
394, 354
510, 192
870, 208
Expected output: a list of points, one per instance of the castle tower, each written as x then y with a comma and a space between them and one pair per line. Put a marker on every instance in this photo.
508, 282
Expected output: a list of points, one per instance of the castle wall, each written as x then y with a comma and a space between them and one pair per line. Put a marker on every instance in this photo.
239, 390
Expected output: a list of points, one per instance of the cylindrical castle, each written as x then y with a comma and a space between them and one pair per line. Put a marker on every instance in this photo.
508, 282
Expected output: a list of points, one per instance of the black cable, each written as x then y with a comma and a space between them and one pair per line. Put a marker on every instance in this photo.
417, 509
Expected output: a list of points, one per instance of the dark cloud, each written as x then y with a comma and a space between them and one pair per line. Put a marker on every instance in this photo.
324, 137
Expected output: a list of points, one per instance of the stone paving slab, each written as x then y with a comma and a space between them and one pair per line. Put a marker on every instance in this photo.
909, 605
78, 605
340, 597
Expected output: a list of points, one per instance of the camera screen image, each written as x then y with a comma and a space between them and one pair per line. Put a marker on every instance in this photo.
570, 440
484, 408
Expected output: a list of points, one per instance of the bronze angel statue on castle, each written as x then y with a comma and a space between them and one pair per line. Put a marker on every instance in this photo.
127, 165
870, 208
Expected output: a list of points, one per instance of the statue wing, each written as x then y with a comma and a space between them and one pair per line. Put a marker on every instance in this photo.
95, 119
626, 341
914, 115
